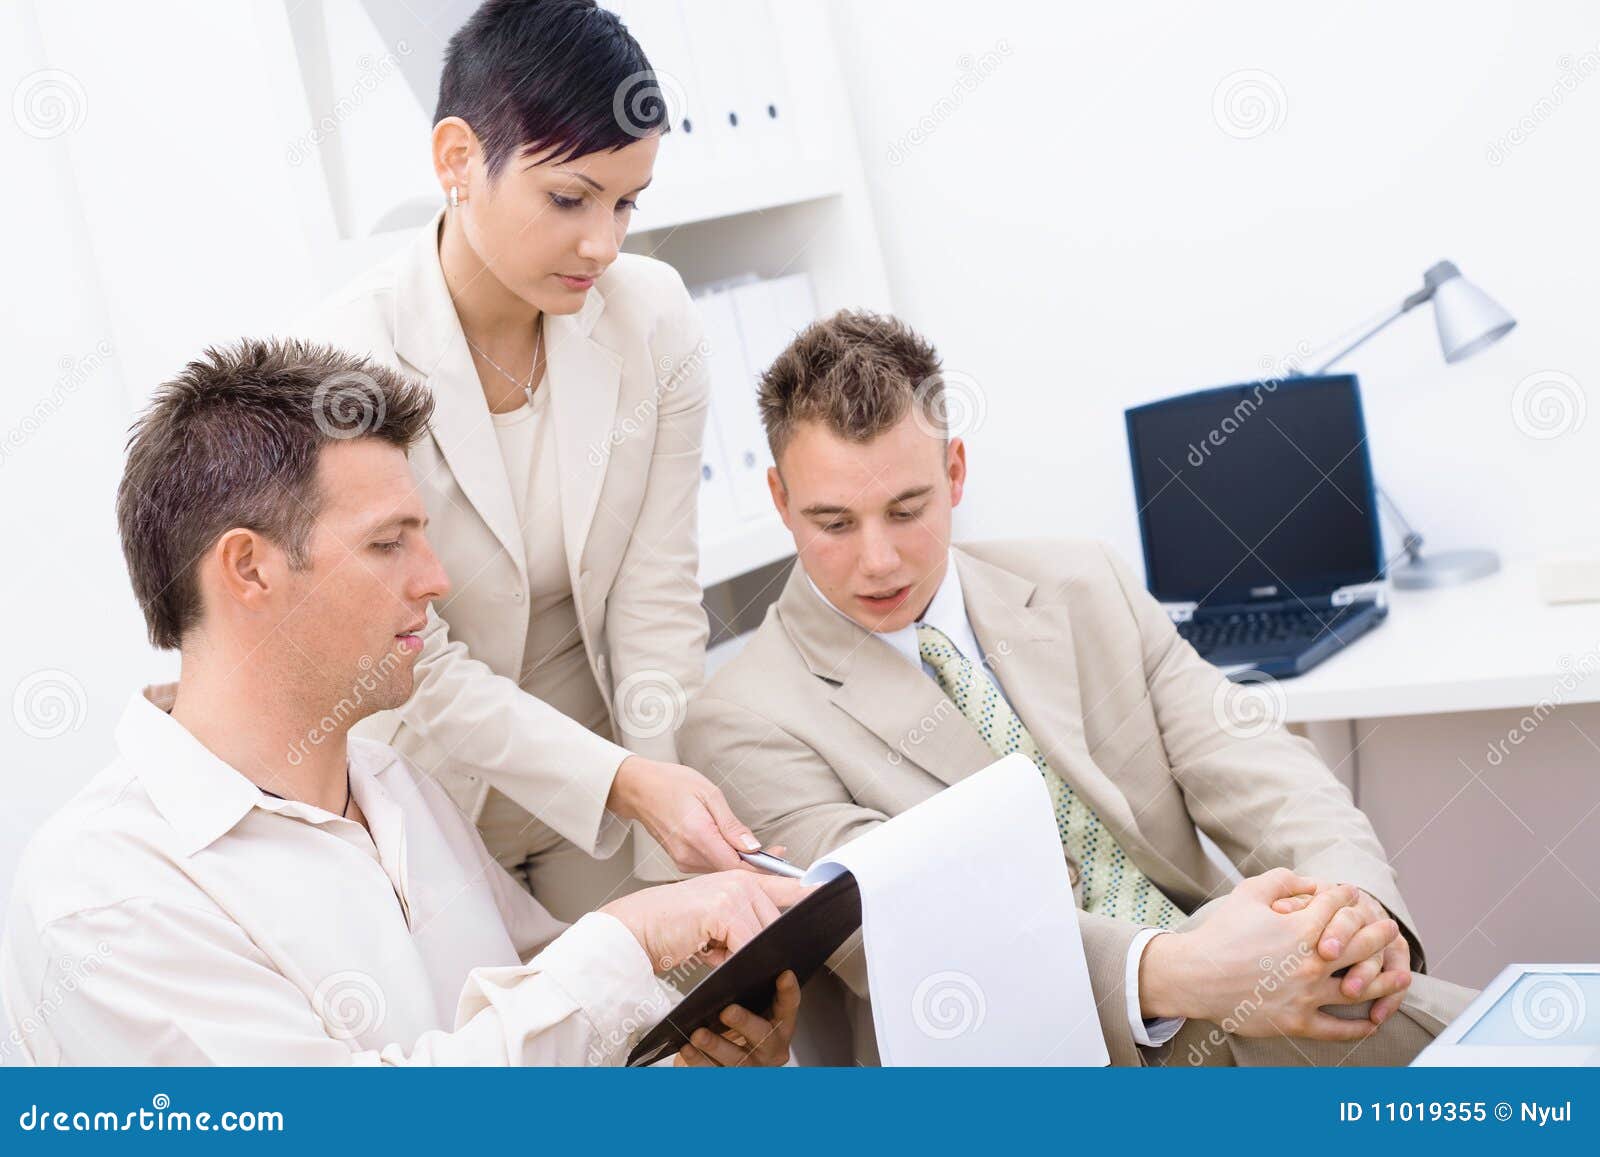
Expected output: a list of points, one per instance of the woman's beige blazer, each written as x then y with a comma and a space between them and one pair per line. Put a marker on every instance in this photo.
629, 388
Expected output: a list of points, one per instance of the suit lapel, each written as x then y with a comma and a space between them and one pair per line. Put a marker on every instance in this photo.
428, 336
584, 379
903, 707
879, 689
1030, 650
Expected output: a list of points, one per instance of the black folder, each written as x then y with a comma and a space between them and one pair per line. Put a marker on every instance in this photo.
799, 940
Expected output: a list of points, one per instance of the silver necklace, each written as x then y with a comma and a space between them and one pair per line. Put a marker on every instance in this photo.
527, 386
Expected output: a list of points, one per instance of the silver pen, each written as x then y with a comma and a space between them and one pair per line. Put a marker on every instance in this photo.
770, 863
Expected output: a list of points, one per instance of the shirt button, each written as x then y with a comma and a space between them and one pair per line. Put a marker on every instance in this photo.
517, 595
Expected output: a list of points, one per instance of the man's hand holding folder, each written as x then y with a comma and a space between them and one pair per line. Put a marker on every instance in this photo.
710, 918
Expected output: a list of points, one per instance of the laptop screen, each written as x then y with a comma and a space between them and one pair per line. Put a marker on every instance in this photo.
1260, 491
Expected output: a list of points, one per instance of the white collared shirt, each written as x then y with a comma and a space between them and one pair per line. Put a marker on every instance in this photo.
947, 611
172, 913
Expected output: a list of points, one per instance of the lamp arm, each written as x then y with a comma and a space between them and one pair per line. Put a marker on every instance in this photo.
1366, 335
1410, 540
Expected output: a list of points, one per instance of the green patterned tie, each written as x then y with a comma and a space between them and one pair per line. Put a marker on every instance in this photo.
1112, 884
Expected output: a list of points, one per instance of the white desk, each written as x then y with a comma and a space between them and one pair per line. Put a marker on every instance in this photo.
1490, 811
1482, 646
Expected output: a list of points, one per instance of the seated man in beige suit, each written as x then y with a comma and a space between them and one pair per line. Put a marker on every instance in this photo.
894, 664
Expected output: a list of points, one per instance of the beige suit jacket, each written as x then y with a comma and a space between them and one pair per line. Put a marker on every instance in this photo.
629, 388
818, 730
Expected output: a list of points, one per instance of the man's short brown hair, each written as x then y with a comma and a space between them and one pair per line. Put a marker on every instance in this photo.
858, 373
233, 441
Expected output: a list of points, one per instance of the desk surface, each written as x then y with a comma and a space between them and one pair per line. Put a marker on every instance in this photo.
1485, 645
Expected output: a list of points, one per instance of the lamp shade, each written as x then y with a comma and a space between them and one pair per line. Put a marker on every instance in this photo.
1469, 319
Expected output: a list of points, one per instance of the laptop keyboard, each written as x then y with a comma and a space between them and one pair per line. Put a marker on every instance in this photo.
1265, 631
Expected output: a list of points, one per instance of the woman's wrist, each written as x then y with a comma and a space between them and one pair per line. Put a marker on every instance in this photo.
623, 799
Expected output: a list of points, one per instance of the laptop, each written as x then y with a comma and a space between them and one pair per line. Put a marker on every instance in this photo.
1259, 521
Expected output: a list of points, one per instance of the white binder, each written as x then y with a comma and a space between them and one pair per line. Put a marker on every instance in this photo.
710, 26
719, 516
764, 135
793, 304
658, 27
733, 404
770, 313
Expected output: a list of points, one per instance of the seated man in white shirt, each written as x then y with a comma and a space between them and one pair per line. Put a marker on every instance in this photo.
247, 885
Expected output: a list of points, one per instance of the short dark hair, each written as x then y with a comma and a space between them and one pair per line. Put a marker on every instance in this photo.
558, 79
856, 372
233, 441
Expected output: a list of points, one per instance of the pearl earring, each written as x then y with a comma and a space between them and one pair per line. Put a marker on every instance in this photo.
455, 197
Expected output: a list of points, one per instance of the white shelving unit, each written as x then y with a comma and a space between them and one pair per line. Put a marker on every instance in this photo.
804, 210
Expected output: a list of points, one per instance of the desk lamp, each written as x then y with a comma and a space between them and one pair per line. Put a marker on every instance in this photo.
1469, 320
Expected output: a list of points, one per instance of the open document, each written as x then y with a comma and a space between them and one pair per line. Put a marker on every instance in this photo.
970, 929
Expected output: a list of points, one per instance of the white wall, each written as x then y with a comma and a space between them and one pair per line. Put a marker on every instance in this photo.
151, 203
1078, 232
74, 637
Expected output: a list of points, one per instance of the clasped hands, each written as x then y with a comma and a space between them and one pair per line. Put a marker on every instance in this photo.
1267, 959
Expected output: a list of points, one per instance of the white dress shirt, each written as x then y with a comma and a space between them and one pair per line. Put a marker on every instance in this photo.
948, 613
172, 913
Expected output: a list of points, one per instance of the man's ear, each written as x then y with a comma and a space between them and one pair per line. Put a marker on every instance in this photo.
956, 465
780, 495
242, 559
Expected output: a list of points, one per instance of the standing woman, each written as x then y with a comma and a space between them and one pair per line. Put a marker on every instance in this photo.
562, 472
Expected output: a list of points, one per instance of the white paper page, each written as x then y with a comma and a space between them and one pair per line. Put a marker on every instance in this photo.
973, 951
